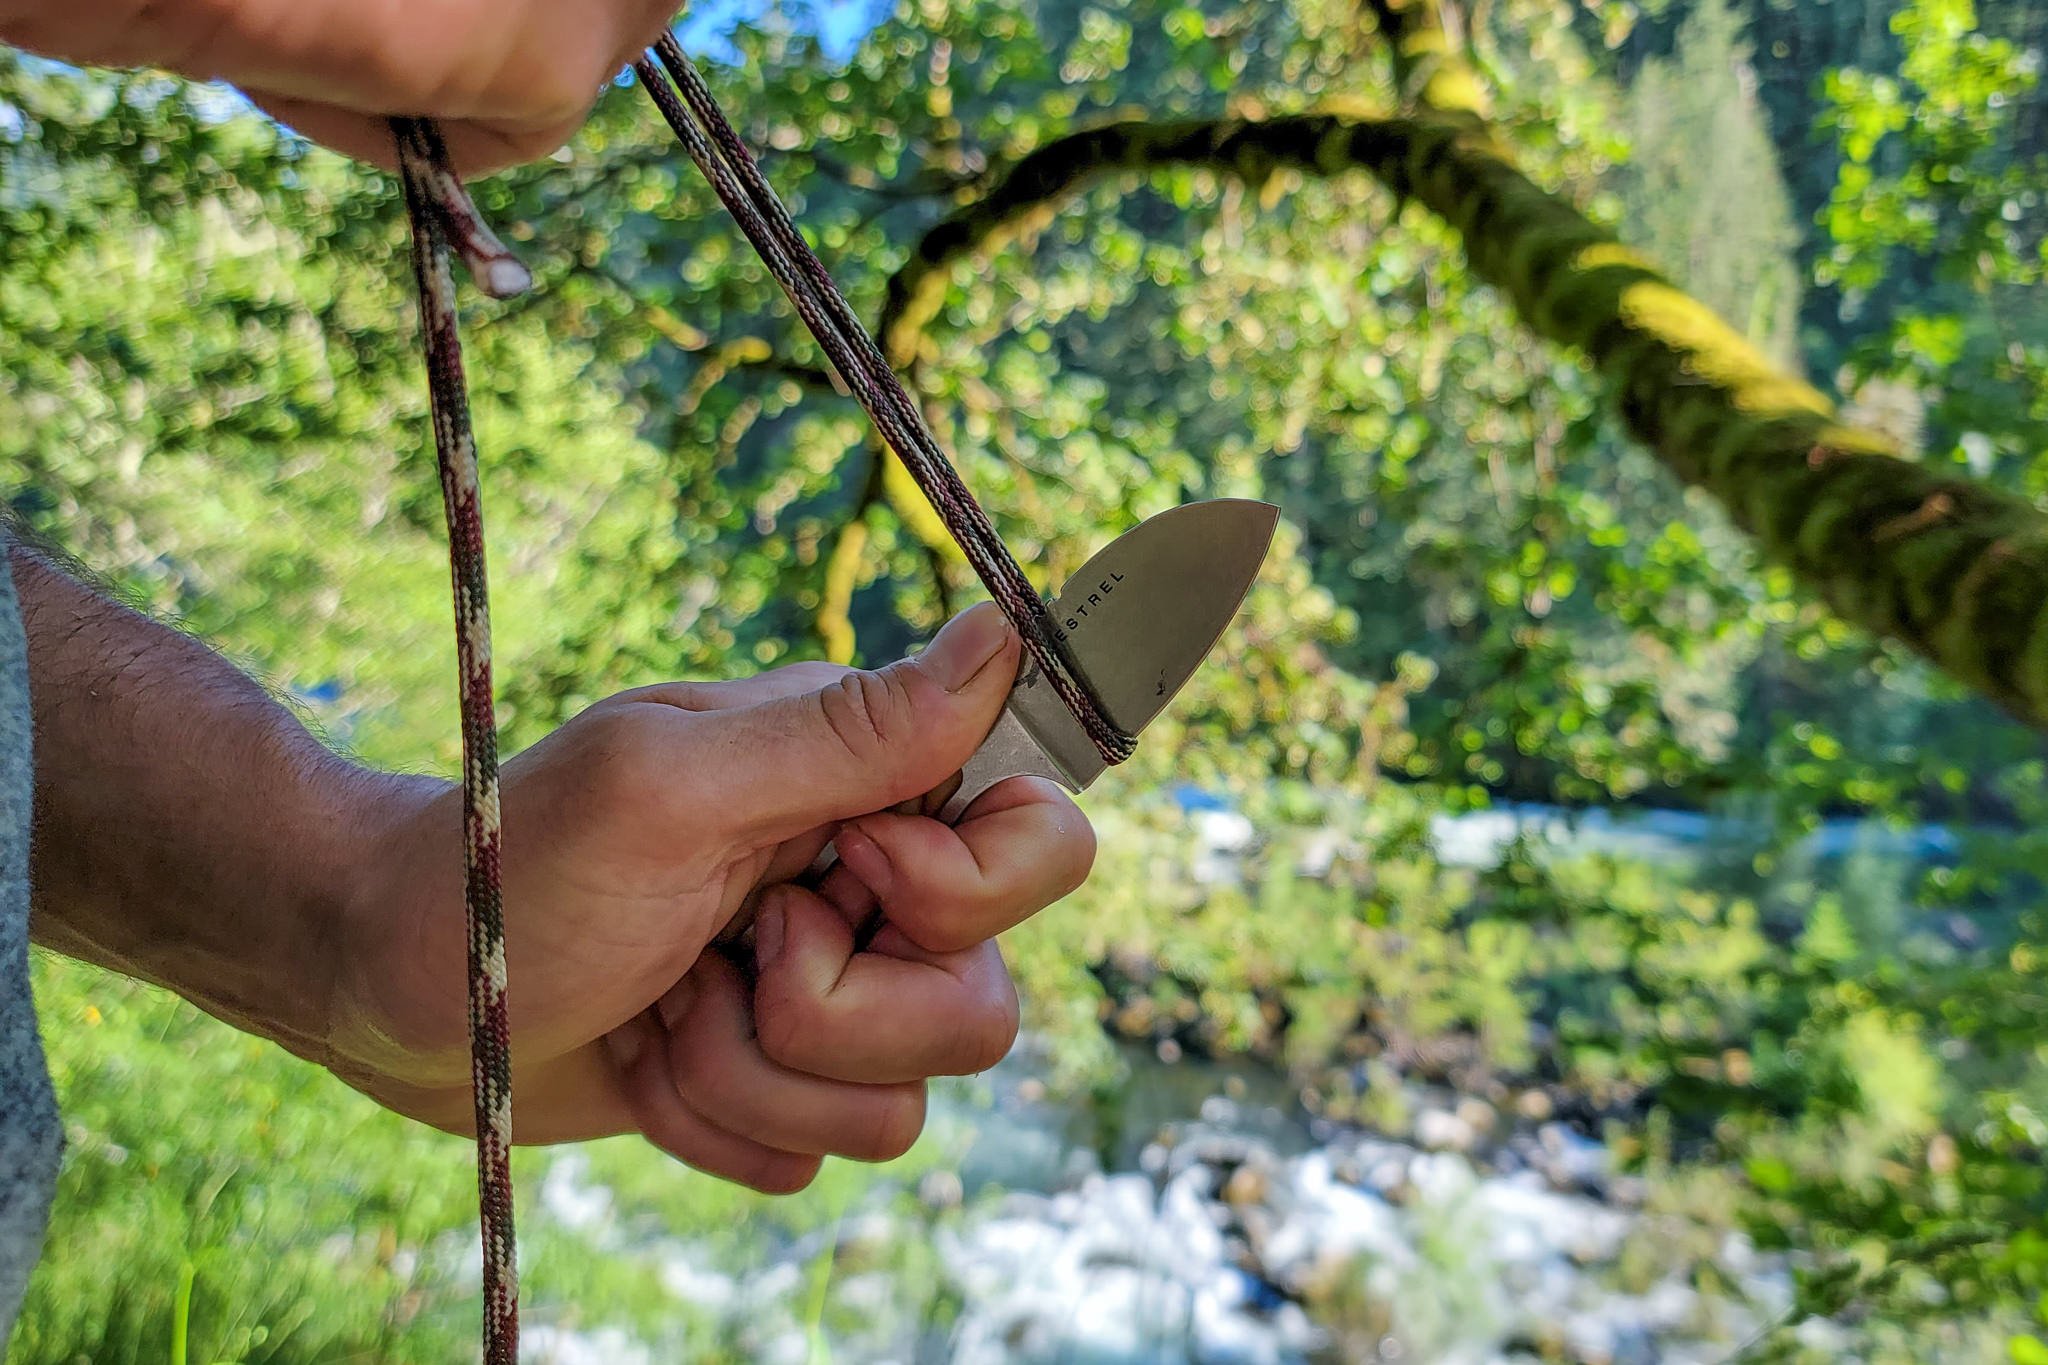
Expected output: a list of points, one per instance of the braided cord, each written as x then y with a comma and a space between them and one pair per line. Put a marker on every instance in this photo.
437, 203
736, 178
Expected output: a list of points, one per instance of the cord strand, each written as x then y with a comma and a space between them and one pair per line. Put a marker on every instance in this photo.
708, 137
434, 197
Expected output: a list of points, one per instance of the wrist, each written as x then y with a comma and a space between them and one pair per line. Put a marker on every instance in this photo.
271, 904
189, 830
277, 967
354, 914
392, 958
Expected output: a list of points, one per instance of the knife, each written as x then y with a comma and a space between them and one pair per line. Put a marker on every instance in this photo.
1135, 623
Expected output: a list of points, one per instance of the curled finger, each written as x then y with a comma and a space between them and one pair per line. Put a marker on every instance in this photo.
639, 1048
879, 1016
719, 1068
1020, 848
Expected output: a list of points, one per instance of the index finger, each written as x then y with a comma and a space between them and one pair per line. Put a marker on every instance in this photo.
1022, 846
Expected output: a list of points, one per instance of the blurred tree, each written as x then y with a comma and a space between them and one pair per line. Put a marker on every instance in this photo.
1701, 190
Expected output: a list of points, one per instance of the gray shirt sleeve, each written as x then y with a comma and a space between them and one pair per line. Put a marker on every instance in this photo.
30, 1138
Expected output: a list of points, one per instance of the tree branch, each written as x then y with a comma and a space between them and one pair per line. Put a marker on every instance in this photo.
1426, 40
1954, 568
834, 619
835, 603
930, 183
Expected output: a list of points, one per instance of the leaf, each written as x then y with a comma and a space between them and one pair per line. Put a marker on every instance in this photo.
2027, 1350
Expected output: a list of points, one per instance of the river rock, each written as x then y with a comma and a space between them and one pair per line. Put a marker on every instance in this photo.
562, 1346
940, 1190
1571, 1160
1441, 1130
1247, 1185
1328, 1223
1230, 1245
1477, 1115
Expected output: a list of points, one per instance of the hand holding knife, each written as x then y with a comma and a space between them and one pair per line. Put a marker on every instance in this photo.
1136, 621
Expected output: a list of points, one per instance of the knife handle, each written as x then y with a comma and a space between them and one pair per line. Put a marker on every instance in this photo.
1008, 751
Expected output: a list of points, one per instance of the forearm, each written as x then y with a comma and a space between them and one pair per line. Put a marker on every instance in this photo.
188, 829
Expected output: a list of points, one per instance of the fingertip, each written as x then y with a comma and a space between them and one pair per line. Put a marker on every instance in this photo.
866, 859
785, 1174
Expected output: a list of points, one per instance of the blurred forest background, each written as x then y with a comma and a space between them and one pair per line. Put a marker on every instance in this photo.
1756, 926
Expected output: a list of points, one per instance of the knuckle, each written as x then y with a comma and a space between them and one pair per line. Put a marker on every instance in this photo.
868, 712
623, 751
809, 674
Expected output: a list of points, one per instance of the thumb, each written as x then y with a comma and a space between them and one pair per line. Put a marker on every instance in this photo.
872, 739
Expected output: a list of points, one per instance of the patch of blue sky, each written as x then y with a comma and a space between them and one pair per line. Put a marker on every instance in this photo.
838, 25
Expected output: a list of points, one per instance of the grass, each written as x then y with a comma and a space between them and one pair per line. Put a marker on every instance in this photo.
223, 1203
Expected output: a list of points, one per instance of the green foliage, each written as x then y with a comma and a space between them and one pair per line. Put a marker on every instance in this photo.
1935, 227
229, 1202
1700, 190
209, 392
175, 1128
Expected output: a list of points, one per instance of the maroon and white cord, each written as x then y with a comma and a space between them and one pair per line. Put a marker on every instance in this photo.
443, 217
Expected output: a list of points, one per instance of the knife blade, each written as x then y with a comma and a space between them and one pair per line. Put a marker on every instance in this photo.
1135, 622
